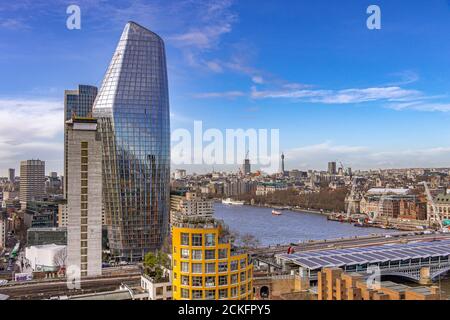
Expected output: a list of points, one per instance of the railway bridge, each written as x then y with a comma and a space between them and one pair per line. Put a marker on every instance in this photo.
422, 262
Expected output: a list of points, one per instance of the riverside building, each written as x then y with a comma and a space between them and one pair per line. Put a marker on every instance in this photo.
205, 264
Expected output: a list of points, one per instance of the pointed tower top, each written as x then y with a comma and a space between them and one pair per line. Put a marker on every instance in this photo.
135, 31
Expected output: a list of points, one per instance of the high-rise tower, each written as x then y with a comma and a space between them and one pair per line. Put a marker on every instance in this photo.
12, 175
332, 167
282, 164
77, 102
32, 181
84, 196
132, 108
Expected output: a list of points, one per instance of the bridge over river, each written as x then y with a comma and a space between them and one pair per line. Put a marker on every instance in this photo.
421, 261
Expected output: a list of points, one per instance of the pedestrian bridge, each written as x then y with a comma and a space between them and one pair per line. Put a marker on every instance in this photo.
421, 261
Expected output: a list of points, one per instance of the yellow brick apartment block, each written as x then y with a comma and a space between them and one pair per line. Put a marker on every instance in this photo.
206, 267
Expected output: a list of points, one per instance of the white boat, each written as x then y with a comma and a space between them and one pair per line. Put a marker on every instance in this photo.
232, 202
276, 213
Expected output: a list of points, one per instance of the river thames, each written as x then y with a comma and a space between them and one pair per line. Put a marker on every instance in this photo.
290, 227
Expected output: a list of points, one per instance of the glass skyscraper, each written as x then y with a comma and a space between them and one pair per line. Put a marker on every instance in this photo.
77, 102
132, 108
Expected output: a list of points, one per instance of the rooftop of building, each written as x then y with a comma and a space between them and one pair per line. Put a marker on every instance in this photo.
389, 285
399, 191
199, 222
164, 279
47, 229
110, 295
372, 254
48, 246
78, 119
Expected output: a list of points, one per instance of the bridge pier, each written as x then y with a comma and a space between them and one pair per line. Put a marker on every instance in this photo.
425, 276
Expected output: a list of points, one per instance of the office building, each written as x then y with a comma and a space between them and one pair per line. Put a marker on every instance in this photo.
84, 196
332, 168
41, 214
77, 102
246, 168
32, 181
43, 236
189, 204
179, 174
132, 108
12, 175
442, 205
205, 264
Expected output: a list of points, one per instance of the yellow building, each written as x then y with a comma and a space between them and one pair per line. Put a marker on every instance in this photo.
206, 266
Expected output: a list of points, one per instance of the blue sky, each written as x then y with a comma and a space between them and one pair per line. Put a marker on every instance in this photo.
335, 89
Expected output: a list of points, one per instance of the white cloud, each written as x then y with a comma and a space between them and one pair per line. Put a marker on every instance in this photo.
345, 96
13, 24
214, 66
421, 106
362, 157
226, 94
201, 38
207, 22
405, 77
30, 128
257, 79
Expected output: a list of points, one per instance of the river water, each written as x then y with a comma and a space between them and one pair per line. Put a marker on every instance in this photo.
290, 227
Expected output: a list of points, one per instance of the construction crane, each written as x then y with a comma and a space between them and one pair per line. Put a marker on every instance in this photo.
430, 199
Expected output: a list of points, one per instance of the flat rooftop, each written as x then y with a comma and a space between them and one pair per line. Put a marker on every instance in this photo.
373, 254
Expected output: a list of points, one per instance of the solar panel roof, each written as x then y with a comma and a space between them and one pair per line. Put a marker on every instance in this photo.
371, 254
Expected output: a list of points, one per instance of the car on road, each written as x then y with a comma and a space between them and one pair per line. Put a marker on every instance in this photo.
3, 282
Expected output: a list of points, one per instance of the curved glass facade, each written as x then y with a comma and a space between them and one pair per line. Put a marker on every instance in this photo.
133, 112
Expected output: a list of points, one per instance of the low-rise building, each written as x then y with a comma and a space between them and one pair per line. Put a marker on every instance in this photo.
189, 204
158, 289
50, 257
263, 189
43, 236
335, 284
399, 205
442, 204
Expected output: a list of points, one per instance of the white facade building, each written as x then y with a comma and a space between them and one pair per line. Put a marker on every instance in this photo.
158, 290
190, 205
47, 257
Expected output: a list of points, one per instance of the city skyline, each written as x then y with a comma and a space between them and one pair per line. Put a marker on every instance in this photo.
369, 98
